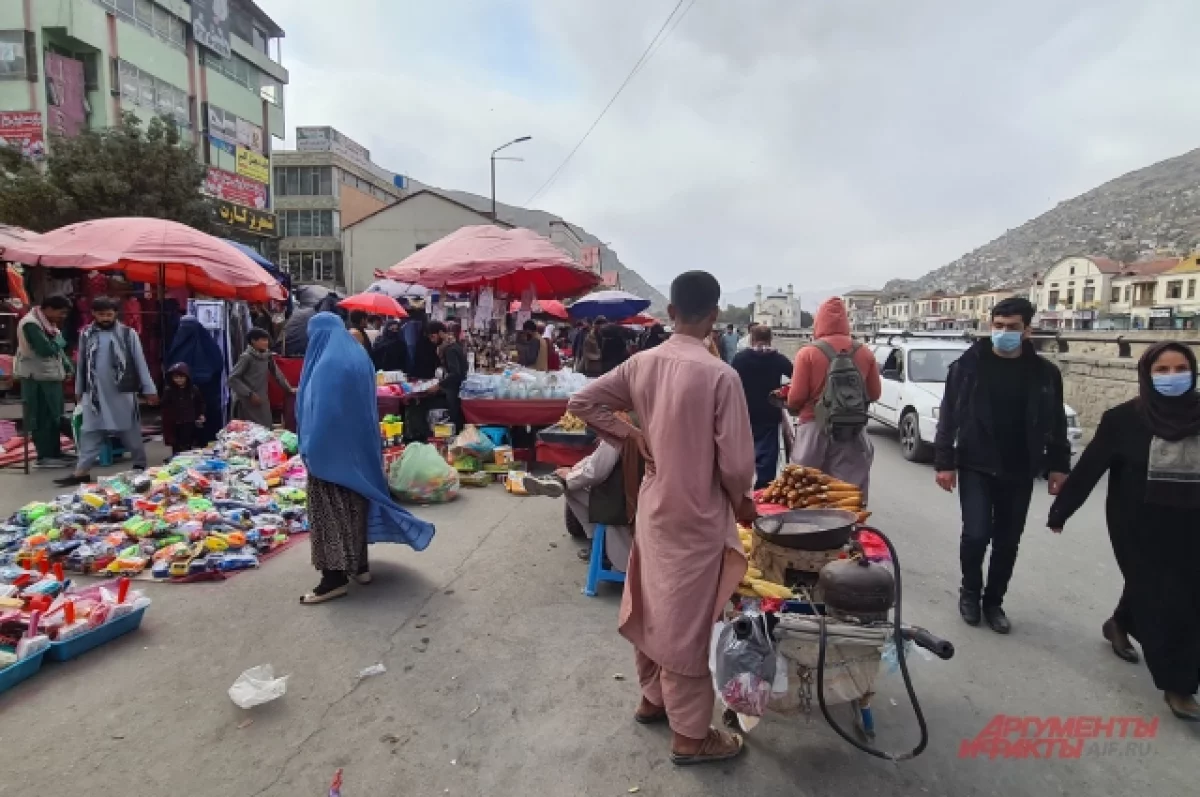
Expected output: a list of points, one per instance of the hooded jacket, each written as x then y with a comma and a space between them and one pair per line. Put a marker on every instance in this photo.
180, 405
808, 376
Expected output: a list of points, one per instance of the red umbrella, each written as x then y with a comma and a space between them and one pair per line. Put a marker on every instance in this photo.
550, 307
148, 249
640, 320
374, 303
509, 261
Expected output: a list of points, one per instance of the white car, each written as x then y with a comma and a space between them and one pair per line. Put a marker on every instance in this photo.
913, 372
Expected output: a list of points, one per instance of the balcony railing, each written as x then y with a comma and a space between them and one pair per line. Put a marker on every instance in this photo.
1143, 302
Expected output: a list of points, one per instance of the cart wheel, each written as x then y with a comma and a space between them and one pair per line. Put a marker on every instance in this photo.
729, 719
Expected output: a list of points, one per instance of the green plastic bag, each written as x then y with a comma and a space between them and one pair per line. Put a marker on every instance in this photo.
421, 476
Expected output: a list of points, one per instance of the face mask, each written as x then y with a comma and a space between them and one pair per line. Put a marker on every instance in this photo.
1172, 384
1006, 341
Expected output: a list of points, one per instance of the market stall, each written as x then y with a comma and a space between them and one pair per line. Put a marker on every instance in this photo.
205, 514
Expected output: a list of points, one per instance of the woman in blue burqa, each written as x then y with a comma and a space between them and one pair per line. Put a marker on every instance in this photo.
349, 504
195, 346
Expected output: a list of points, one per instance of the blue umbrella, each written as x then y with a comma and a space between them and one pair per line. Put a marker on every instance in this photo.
612, 304
280, 276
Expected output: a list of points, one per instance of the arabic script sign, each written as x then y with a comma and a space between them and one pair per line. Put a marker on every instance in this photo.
259, 222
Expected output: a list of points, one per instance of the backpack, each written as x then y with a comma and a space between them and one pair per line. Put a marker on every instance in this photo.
842, 407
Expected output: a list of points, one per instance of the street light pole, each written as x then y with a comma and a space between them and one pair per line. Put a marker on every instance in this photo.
494, 159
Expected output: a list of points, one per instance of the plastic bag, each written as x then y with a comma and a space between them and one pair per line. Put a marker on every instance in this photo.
745, 660
473, 442
422, 476
256, 686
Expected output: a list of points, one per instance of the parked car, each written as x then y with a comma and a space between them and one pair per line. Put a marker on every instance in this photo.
914, 373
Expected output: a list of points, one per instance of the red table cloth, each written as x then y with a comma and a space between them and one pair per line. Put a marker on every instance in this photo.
519, 412
560, 454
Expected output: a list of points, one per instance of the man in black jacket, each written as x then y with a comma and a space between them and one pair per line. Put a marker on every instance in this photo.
1000, 425
762, 370
454, 366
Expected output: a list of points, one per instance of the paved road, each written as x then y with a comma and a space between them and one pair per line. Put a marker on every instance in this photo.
500, 677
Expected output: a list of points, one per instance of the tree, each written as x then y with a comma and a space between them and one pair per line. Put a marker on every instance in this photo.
126, 170
738, 316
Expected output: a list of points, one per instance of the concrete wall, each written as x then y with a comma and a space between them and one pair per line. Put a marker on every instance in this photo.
1092, 385
356, 205
382, 240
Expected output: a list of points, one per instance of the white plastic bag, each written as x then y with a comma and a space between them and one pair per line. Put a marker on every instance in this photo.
256, 686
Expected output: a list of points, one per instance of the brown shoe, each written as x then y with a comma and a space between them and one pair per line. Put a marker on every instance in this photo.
717, 746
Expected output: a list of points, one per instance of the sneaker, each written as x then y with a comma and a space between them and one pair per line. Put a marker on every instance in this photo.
51, 463
968, 607
547, 486
73, 480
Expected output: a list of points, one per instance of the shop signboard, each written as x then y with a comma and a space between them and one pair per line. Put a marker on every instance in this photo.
327, 139
251, 164
67, 114
1160, 312
228, 147
210, 25
248, 135
259, 222
589, 258
22, 131
235, 188
221, 124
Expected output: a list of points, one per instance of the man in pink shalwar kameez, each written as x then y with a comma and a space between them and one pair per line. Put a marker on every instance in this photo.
686, 560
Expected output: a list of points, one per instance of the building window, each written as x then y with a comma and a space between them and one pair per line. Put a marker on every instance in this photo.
307, 224
18, 55
1191, 289
1175, 289
139, 87
151, 18
1128, 293
1089, 294
260, 40
1115, 297
1070, 297
236, 68
1053, 299
313, 266
304, 180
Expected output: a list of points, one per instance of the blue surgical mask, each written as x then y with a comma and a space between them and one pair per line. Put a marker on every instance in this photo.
1172, 384
1006, 341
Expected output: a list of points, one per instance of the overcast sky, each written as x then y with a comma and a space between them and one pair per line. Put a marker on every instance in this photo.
822, 142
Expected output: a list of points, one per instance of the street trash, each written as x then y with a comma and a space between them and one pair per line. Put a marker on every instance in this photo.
335, 788
256, 686
374, 669
422, 476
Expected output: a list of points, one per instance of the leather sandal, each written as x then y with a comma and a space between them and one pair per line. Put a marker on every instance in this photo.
313, 598
655, 717
717, 746
1126, 651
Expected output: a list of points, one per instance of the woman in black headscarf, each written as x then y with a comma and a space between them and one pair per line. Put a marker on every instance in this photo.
1150, 447
389, 353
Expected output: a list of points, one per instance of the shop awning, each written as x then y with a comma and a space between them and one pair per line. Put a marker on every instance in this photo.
146, 249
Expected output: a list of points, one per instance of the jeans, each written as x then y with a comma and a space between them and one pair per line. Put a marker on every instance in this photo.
766, 453
993, 511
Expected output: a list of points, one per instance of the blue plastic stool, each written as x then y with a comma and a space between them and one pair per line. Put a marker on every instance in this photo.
110, 452
596, 571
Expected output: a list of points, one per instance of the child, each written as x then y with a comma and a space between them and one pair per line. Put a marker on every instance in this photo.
182, 409
248, 382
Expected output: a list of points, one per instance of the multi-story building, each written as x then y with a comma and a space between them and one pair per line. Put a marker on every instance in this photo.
327, 183
1152, 294
899, 312
69, 65
1074, 293
860, 308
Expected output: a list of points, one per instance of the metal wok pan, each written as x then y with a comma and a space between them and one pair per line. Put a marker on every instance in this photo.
807, 529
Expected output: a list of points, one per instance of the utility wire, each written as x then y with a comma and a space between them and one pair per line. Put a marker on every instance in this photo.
641, 60
663, 40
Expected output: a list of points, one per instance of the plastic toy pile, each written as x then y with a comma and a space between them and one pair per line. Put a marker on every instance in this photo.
204, 514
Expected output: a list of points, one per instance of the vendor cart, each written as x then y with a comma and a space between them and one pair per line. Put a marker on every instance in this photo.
829, 643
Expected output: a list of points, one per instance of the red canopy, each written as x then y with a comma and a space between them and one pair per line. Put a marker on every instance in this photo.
140, 247
376, 303
11, 236
508, 261
640, 320
549, 307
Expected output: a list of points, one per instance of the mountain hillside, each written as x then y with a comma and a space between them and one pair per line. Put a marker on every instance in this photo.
1154, 209
539, 222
